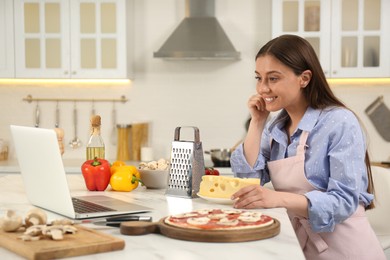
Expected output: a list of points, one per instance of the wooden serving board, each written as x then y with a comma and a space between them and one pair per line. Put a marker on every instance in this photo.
199, 235
85, 241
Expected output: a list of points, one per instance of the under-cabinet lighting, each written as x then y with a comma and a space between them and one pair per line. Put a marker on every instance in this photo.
359, 81
68, 82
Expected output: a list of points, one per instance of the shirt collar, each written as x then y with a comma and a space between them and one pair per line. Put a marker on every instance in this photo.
307, 122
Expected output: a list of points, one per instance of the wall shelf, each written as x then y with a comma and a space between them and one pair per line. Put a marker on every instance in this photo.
30, 99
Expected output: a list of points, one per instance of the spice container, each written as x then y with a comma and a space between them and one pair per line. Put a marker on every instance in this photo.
131, 137
123, 153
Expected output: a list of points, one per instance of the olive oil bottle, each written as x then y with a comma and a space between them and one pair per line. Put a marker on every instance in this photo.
95, 146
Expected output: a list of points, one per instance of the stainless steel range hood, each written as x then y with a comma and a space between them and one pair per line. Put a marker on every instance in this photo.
198, 36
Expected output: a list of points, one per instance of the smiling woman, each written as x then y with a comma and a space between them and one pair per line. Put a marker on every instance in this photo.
307, 152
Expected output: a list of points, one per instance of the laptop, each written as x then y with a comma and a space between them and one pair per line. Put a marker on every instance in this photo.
45, 181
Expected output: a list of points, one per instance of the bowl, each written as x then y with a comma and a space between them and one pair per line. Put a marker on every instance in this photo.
154, 179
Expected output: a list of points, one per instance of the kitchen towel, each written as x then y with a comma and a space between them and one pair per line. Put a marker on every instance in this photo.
379, 115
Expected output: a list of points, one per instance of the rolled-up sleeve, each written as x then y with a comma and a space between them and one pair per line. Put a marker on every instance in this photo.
242, 169
345, 178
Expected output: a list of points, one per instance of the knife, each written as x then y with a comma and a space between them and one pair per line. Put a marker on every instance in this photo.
116, 221
107, 223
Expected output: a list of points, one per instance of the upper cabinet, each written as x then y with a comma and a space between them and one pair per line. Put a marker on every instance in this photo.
350, 37
6, 39
70, 39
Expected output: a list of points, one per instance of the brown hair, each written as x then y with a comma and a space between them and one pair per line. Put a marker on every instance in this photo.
297, 53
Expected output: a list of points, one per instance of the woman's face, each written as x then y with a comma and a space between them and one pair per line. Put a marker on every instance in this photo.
279, 86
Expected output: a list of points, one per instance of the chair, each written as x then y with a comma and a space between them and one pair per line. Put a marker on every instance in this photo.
379, 216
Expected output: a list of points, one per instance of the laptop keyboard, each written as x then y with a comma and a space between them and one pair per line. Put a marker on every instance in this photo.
82, 206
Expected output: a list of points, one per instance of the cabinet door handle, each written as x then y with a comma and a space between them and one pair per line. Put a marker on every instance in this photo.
66, 72
74, 72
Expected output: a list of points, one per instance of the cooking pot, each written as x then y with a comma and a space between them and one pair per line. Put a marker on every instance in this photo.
220, 157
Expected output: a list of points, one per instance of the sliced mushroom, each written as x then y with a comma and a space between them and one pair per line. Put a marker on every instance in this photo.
55, 232
35, 217
11, 221
63, 221
68, 229
35, 230
29, 238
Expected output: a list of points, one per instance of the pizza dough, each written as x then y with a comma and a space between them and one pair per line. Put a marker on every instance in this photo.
220, 219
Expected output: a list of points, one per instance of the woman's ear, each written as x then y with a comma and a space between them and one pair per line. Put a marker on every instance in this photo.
305, 78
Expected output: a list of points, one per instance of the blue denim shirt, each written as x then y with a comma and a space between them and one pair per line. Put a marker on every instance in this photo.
334, 162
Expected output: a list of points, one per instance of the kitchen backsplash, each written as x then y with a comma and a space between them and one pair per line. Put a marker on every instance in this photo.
211, 95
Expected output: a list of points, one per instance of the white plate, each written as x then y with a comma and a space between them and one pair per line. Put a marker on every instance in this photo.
217, 200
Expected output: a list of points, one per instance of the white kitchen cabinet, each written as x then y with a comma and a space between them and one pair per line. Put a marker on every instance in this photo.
70, 39
351, 37
6, 39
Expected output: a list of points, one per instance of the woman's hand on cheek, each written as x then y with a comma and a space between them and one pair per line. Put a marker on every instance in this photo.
255, 196
257, 107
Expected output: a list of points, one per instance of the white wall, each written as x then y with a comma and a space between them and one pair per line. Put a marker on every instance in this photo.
211, 95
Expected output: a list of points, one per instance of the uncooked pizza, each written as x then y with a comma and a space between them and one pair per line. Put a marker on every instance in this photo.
220, 219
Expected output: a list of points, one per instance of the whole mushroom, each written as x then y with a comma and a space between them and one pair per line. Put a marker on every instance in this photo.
11, 221
34, 217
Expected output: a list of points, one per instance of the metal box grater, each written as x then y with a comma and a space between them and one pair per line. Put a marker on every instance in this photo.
187, 166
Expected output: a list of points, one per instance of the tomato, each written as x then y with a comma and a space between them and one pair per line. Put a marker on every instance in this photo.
211, 171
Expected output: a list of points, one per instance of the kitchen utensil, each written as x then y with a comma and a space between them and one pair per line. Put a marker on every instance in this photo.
187, 166
379, 115
93, 111
75, 142
37, 115
3, 150
114, 136
57, 116
113, 221
59, 131
116, 221
85, 241
220, 157
160, 227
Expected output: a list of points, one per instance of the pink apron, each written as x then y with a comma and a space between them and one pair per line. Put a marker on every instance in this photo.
351, 239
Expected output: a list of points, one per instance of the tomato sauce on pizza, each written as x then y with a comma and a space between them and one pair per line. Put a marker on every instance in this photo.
220, 219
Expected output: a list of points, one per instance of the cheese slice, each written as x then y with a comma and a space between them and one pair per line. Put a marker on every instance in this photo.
223, 186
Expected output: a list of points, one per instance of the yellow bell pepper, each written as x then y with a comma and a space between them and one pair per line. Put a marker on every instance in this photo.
125, 178
116, 165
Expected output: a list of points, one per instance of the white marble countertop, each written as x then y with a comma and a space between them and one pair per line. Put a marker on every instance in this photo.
12, 166
74, 166
155, 246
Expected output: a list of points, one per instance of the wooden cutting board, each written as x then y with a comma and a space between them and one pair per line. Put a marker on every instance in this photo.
160, 227
85, 241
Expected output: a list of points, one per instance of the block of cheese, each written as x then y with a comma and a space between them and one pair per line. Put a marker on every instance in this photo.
223, 186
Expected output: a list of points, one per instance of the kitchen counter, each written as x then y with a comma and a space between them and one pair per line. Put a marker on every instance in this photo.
12, 166
74, 165
154, 246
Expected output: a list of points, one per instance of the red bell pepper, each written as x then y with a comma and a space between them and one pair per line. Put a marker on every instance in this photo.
96, 174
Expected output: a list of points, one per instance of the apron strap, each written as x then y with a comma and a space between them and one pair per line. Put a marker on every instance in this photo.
304, 233
302, 143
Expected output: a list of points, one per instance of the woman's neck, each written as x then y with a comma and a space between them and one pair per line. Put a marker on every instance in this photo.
295, 117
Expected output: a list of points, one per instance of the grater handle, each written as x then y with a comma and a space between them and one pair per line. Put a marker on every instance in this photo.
196, 133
